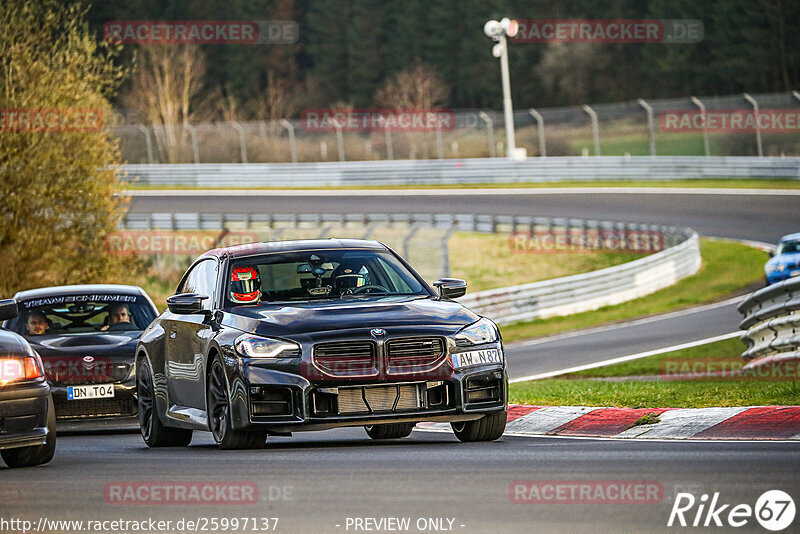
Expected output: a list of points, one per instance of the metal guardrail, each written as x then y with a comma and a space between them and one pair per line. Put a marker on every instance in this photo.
679, 258
462, 171
772, 324
589, 291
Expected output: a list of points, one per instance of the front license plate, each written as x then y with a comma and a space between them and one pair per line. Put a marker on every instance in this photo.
99, 391
476, 357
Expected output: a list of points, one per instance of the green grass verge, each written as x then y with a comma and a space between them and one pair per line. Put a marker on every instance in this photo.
706, 183
728, 267
729, 349
667, 394
575, 389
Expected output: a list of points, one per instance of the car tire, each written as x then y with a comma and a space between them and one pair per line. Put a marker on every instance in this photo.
219, 414
390, 431
488, 428
154, 432
37, 454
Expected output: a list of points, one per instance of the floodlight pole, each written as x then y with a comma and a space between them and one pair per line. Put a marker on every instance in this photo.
508, 109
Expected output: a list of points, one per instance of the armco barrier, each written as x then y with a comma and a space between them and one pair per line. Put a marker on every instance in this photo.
462, 171
589, 291
772, 323
561, 296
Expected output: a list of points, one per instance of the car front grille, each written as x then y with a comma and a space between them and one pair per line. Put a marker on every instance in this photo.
72, 371
414, 354
88, 408
346, 358
375, 399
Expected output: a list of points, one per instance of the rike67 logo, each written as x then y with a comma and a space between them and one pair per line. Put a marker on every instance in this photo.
774, 510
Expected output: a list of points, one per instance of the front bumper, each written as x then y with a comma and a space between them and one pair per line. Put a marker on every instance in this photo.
119, 411
286, 402
23, 415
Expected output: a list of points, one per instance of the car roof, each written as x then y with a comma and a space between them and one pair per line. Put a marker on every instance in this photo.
791, 237
115, 289
300, 245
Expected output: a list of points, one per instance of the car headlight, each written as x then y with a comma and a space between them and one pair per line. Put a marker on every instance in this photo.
264, 347
478, 333
775, 267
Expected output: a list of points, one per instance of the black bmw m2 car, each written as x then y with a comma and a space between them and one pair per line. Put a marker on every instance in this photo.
273, 338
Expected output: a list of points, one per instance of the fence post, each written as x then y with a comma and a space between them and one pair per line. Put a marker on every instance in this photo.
702, 107
650, 125
195, 149
758, 128
595, 129
490, 132
387, 135
439, 145
540, 129
148, 142
242, 144
292, 143
340, 141
407, 239
444, 270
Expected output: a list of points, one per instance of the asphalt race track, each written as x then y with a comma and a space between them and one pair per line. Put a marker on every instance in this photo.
314, 482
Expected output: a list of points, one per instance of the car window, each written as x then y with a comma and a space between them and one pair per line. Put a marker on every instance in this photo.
202, 279
82, 313
788, 247
323, 274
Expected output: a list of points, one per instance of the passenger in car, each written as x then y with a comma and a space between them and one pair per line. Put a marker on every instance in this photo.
37, 323
118, 314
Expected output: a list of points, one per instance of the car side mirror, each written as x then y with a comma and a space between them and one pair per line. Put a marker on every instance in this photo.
771, 254
450, 288
8, 309
187, 304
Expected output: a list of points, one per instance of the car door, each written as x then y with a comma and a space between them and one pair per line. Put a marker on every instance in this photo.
187, 338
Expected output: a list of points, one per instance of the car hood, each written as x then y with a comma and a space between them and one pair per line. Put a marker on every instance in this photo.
310, 317
784, 259
118, 343
12, 344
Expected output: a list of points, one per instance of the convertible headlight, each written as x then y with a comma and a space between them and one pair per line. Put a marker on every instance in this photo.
264, 347
775, 267
478, 333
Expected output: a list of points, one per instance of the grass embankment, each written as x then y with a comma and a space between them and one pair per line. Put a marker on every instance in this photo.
586, 389
728, 267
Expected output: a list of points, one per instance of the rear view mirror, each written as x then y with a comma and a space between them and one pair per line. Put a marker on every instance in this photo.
8, 309
186, 303
450, 288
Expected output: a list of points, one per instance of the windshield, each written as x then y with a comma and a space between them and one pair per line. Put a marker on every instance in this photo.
788, 247
320, 274
77, 314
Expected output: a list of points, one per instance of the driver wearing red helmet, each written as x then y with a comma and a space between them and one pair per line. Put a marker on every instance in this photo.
245, 285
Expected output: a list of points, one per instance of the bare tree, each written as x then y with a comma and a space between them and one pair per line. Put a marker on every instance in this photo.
164, 87
419, 87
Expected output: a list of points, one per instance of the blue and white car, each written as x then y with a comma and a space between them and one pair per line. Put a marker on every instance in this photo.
785, 263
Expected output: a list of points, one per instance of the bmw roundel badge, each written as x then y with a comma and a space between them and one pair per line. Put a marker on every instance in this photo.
378, 332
